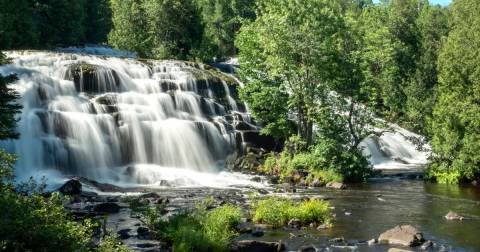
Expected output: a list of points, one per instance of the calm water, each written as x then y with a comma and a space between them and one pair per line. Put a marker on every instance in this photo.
378, 206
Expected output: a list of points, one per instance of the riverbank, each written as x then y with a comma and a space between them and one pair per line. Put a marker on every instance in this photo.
362, 212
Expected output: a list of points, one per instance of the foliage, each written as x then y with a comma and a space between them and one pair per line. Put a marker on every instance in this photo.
200, 230
110, 243
278, 211
8, 107
455, 123
28, 24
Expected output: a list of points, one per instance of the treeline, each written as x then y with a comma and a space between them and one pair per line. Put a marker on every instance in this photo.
31, 24
182, 29
407, 61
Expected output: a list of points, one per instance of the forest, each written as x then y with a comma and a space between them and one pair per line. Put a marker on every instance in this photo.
320, 76
409, 62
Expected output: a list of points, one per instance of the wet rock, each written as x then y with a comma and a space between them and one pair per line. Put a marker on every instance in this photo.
71, 187
348, 213
337, 240
257, 179
107, 208
256, 246
258, 232
372, 242
274, 179
295, 223
426, 245
316, 183
262, 191
244, 228
475, 183
405, 235
322, 227
336, 185
308, 248
124, 234
398, 250
143, 233
453, 216
150, 195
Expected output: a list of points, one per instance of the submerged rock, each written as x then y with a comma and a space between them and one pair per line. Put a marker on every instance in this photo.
107, 207
453, 216
405, 235
426, 245
71, 187
256, 246
309, 248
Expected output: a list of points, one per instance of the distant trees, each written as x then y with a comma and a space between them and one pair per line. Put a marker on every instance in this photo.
182, 29
50, 23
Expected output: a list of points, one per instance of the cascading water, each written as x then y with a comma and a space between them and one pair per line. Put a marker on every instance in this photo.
124, 120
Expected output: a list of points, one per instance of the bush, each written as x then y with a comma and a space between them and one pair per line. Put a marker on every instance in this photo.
200, 230
325, 161
110, 243
36, 223
278, 211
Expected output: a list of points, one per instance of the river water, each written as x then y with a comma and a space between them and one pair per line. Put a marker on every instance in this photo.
364, 211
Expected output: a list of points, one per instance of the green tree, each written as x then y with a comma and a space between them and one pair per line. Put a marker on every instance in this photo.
433, 29
8, 107
130, 27
455, 123
174, 27
98, 21
298, 43
60, 22
17, 29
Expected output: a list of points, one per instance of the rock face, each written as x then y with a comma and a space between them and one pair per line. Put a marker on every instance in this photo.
453, 216
405, 235
256, 246
71, 187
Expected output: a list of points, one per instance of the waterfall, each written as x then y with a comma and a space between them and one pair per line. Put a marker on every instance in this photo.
122, 119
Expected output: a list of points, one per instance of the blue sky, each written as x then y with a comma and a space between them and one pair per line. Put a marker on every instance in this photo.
442, 2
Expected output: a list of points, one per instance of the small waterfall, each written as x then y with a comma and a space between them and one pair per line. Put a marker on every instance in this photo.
395, 150
121, 119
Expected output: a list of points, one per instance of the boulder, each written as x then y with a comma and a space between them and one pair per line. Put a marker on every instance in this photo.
107, 208
316, 183
93, 78
256, 246
336, 185
405, 235
71, 187
453, 216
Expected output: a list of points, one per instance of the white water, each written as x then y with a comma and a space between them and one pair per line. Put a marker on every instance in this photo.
394, 150
69, 129
165, 128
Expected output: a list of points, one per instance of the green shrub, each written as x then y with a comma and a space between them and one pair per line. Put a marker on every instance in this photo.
200, 230
278, 211
110, 243
36, 223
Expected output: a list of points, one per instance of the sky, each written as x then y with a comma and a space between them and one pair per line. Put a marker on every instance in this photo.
442, 2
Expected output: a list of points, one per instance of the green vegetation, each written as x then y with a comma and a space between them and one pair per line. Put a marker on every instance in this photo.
278, 211
200, 230
28, 24
456, 114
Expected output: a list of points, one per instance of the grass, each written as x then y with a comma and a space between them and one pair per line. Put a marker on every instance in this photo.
278, 211
200, 230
